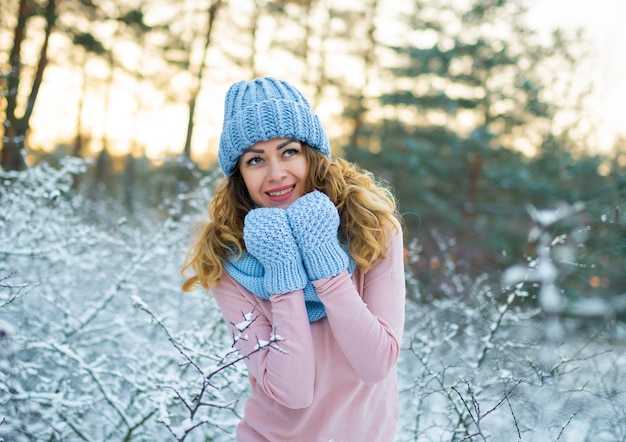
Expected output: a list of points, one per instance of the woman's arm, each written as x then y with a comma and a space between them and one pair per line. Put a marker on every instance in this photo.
369, 328
286, 375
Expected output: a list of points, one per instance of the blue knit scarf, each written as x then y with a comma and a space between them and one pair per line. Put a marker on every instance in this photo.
249, 272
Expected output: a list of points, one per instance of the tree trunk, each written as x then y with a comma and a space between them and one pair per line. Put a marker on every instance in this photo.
360, 108
16, 128
212, 14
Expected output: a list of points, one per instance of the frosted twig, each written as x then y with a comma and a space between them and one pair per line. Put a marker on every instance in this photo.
566, 425
194, 405
475, 412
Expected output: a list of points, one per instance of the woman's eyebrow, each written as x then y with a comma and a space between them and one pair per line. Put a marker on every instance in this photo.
278, 147
286, 143
252, 150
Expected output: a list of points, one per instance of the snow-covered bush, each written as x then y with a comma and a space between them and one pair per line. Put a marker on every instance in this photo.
485, 361
94, 322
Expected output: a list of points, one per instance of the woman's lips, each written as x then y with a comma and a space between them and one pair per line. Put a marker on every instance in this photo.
280, 194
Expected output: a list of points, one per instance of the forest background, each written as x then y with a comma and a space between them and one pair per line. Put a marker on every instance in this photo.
514, 233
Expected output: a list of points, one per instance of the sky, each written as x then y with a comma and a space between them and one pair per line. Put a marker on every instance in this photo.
602, 21
605, 27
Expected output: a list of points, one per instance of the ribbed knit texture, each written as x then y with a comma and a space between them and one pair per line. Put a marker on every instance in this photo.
314, 221
268, 238
272, 262
262, 109
249, 272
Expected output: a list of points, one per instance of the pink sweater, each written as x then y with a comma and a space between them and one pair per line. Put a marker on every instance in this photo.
336, 380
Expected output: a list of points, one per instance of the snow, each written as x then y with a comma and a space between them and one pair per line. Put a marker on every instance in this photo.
97, 342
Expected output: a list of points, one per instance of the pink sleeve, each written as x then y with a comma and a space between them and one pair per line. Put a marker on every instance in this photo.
369, 328
286, 376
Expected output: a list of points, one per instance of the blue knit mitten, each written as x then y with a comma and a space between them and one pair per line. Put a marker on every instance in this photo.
268, 238
314, 221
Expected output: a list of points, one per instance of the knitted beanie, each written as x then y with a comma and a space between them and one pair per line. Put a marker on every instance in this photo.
262, 109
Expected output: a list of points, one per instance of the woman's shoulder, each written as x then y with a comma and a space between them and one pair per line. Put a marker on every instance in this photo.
227, 287
393, 227
233, 297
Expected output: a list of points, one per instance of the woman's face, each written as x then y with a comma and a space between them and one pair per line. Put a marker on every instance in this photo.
274, 172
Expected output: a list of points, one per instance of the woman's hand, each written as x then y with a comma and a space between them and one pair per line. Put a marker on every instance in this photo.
314, 221
268, 238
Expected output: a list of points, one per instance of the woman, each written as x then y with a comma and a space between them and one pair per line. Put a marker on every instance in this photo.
305, 252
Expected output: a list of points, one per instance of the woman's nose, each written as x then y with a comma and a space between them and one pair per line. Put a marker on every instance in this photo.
277, 171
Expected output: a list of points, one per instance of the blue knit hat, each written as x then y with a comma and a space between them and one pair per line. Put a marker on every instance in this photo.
262, 109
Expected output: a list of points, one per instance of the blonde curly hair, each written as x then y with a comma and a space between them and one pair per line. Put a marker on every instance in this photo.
366, 209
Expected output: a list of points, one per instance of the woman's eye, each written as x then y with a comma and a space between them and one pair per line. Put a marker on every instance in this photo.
254, 161
290, 152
